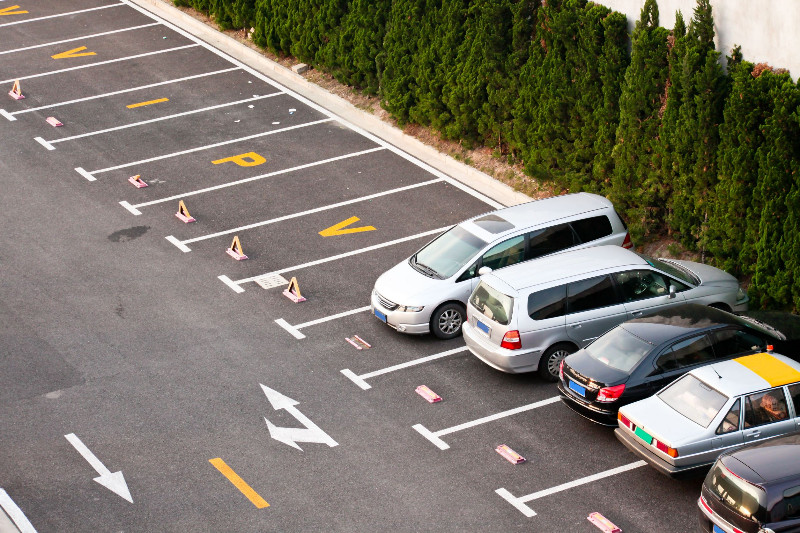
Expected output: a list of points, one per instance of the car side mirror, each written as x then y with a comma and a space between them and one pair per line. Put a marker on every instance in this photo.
672, 291
484, 270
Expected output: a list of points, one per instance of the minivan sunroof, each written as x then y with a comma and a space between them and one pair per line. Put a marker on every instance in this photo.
493, 224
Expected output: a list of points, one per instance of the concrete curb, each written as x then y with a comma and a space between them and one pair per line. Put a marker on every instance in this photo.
465, 174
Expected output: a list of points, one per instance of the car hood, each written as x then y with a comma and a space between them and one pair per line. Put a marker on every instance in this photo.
405, 286
708, 274
663, 422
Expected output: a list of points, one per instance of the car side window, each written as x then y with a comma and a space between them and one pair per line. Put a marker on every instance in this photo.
469, 273
730, 423
685, 353
641, 284
592, 228
506, 253
794, 392
547, 303
764, 408
591, 293
550, 240
729, 342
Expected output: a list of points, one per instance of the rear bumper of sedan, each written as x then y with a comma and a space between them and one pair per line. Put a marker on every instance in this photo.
604, 417
676, 472
502, 359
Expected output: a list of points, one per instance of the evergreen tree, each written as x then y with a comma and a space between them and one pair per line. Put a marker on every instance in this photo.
398, 84
272, 26
636, 177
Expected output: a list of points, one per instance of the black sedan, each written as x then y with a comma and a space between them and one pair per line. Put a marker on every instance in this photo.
637, 358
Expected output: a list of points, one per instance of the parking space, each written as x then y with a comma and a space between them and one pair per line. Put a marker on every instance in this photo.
311, 197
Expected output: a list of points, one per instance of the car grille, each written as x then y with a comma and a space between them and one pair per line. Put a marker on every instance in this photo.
387, 304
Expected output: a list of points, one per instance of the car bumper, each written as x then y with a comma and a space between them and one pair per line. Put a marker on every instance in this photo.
509, 361
411, 323
676, 472
605, 417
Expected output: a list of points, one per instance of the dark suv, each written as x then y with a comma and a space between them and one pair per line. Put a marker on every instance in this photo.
754, 489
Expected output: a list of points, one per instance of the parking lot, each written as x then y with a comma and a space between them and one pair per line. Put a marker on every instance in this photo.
168, 360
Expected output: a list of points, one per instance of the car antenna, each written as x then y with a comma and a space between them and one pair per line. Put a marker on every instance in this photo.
715, 371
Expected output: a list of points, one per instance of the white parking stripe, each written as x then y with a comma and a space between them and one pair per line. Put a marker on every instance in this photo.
15, 513
295, 330
99, 63
60, 15
123, 91
159, 119
254, 178
209, 146
519, 502
182, 244
360, 380
82, 38
346, 254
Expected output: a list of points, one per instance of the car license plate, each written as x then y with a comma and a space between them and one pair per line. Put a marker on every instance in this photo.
717, 529
380, 315
645, 436
483, 327
577, 388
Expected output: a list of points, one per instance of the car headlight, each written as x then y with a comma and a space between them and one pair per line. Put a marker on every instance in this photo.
741, 295
410, 308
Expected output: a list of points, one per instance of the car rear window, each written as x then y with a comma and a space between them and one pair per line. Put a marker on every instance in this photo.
446, 254
694, 399
736, 494
593, 228
492, 303
619, 349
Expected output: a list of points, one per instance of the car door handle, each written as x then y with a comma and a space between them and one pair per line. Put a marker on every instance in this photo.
637, 313
576, 326
755, 433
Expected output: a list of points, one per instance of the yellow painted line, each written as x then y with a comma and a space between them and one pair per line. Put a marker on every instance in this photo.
239, 483
10, 11
149, 102
342, 229
772, 370
75, 52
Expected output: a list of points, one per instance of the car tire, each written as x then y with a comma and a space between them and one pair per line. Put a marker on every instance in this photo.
551, 360
446, 321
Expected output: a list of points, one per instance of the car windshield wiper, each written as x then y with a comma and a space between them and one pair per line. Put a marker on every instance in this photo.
425, 268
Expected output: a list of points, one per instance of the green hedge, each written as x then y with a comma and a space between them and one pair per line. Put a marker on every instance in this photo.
683, 147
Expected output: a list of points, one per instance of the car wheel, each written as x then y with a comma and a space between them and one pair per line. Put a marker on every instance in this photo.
551, 360
446, 321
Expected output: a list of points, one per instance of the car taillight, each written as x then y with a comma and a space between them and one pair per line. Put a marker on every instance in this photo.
610, 394
627, 243
703, 501
624, 421
511, 340
561, 370
672, 452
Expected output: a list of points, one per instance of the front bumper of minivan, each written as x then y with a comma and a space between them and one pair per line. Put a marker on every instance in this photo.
502, 359
413, 323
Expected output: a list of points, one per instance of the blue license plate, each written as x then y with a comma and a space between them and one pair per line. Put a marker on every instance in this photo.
483, 327
577, 388
380, 315
717, 529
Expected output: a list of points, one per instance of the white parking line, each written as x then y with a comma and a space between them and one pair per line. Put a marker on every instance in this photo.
360, 380
433, 436
82, 38
99, 63
295, 330
520, 502
15, 513
10, 116
183, 247
341, 256
199, 148
159, 119
60, 15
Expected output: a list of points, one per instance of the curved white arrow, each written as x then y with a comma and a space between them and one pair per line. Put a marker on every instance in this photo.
114, 482
291, 436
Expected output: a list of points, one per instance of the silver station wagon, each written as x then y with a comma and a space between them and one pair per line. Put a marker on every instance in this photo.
684, 428
428, 291
529, 317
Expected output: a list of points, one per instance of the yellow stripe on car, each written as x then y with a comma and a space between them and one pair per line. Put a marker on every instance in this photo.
772, 370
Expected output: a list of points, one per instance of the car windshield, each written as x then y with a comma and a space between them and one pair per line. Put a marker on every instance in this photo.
492, 303
619, 349
671, 269
694, 399
447, 253
735, 493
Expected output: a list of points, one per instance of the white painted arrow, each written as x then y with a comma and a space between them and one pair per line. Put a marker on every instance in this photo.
291, 436
114, 482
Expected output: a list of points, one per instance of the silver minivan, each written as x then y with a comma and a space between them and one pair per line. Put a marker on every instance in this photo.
428, 292
529, 317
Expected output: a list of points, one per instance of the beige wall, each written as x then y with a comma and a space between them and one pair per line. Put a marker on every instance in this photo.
767, 30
